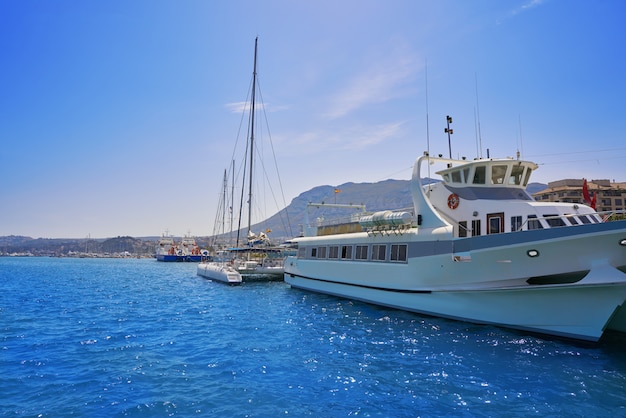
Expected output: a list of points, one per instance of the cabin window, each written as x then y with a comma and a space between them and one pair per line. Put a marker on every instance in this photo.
321, 252
462, 229
571, 219
398, 252
346, 252
379, 252
361, 252
584, 219
495, 223
302, 252
333, 251
527, 177
314, 252
456, 176
554, 220
497, 174
479, 174
466, 175
446, 178
516, 223
476, 227
517, 171
534, 223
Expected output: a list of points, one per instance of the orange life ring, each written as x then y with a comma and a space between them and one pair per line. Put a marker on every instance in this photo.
453, 201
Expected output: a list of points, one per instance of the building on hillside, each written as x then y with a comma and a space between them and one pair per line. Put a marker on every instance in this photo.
610, 196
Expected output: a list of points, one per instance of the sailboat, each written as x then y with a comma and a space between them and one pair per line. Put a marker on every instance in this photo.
257, 257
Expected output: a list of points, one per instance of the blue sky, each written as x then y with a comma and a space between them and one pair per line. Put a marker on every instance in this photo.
118, 117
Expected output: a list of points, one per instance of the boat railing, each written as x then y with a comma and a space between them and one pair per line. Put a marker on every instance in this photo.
352, 218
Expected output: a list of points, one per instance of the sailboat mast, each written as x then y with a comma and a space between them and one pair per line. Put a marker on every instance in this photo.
252, 110
224, 203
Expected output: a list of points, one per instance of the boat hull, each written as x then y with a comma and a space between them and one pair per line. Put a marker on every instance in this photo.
572, 288
179, 258
220, 272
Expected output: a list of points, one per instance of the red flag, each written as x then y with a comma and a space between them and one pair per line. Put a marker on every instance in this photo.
593, 201
586, 196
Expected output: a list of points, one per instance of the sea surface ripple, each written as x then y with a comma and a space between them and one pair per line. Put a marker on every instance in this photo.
127, 337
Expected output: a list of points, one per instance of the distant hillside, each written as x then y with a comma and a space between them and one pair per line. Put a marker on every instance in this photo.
388, 194
68, 246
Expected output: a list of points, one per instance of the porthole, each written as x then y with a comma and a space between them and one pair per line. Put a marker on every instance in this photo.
532, 253
623, 242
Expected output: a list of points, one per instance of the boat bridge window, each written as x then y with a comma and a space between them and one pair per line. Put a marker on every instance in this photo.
361, 252
527, 177
534, 223
379, 252
346, 252
497, 174
333, 251
398, 252
321, 252
480, 174
456, 176
517, 171
584, 219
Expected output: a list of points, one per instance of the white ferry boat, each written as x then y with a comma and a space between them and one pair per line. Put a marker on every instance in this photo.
477, 247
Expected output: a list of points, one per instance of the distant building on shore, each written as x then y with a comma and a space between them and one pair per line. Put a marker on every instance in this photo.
610, 196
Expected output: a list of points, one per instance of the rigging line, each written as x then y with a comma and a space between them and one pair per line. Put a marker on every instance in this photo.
243, 114
280, 183
480, 137
427, 123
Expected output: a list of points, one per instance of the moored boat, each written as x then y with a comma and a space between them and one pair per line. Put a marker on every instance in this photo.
166, 249
257, 258
187, 250
477, 247
219, 269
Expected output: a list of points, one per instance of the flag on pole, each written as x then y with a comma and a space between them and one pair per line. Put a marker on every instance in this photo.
586, 196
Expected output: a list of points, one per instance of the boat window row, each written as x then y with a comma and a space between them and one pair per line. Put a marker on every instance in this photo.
495, 223
511, 174
393, 253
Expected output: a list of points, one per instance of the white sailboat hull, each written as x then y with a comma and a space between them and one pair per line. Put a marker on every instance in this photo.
221, 272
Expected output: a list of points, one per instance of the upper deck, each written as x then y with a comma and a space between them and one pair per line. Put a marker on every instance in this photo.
487, 173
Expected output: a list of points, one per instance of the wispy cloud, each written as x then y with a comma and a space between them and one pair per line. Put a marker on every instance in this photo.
351, 138
530, 4
382, 82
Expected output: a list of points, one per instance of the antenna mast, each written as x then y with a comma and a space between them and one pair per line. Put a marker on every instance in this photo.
480, 139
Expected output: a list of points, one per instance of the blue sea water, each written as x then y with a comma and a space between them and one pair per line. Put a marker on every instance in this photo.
127, 337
